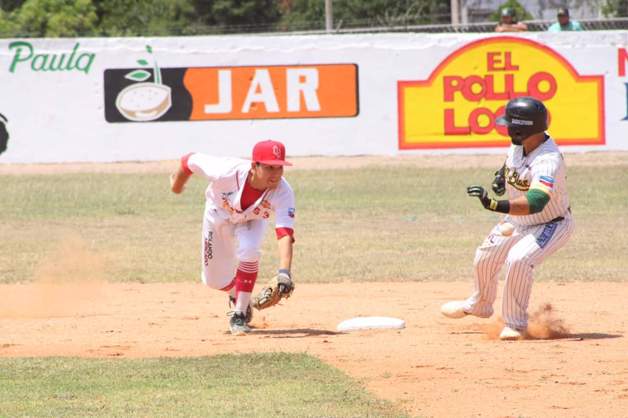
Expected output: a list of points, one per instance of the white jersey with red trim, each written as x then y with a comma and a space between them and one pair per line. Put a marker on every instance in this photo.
227, 177
543, 169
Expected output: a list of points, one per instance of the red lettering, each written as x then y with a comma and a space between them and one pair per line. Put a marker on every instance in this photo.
491, 94
467, 89
508, 61
493, 59
622, 57
450, 124
509, 86
474, 120
534, 86
481, 121
475, 88
451, 84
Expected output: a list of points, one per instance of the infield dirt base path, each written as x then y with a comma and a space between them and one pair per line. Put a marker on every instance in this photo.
434, 367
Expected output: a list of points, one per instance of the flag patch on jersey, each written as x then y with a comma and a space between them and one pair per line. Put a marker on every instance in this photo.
543, 183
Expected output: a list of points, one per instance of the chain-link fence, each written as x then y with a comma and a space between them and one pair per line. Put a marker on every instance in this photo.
533, 26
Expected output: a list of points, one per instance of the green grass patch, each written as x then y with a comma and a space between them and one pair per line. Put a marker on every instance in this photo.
252, 385
374, 223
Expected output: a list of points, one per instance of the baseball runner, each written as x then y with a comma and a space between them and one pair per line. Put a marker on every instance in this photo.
240, 198
538, 219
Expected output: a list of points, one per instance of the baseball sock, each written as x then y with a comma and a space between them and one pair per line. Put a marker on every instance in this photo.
244, 283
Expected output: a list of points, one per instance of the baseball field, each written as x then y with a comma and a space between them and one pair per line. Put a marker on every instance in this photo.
102, 312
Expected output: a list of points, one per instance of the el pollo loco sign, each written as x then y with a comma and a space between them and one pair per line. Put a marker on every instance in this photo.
457, 105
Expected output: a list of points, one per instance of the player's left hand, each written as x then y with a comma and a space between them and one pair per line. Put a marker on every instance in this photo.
499, 183
480, 193
279, 287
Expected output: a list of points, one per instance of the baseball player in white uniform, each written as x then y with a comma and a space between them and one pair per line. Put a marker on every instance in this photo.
240, 198
538, 219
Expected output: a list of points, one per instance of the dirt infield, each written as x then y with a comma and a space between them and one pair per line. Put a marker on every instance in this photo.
434, 367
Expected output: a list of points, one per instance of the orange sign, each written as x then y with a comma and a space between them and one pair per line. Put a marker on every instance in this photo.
457, 105
273, 92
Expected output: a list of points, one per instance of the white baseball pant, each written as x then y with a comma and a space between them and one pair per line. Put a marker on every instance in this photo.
522, 251
225, 245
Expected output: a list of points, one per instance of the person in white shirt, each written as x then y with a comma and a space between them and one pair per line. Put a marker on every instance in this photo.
240, 198
537, 219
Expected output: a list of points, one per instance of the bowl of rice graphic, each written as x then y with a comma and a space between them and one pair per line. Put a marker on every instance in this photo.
143, 102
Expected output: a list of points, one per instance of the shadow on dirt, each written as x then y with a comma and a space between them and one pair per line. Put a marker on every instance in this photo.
294, 333
590, 336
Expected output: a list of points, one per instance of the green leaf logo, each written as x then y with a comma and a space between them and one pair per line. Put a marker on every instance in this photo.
142, 62
149, 49
138, 75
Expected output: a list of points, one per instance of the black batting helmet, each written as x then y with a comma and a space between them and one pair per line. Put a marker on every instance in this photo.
525, 116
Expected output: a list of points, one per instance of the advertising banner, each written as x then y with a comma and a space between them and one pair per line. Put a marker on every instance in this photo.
468, 90
142, 99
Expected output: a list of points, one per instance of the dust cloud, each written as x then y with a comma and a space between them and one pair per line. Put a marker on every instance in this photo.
543, 324
69, 281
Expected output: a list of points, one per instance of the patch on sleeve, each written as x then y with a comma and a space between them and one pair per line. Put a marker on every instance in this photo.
291, 212
543, 183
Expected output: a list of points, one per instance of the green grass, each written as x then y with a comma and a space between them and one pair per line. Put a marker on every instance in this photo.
256, 385
375, 223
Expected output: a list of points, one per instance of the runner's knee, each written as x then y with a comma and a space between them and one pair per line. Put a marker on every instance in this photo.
518, 260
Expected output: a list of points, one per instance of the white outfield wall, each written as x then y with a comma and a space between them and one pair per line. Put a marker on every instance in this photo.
116, 99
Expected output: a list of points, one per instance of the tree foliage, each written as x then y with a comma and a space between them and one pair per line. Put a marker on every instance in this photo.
144, 17
241, 12
55, 18
310, 14
70, 18
520, 12
615, 8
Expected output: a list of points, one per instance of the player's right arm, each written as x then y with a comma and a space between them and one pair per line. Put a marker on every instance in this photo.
180, 176
207, 166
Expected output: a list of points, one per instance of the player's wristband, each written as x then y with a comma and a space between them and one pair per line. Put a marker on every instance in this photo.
502, 206
286, 272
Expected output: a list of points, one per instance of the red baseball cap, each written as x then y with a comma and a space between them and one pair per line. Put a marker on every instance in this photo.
270, 153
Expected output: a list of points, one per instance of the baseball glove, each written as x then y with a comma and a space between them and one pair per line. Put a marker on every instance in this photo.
499, 183
279, 287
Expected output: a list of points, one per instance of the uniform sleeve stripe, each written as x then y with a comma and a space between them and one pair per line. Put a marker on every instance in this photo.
282, 232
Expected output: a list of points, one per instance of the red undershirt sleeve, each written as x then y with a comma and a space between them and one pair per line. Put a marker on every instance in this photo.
282, 232
184, 163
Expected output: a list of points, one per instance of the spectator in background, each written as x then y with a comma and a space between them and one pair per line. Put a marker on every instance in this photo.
564, 23
508, 22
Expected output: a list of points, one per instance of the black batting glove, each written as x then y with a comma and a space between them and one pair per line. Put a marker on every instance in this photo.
502, 206
499, 183
480, 193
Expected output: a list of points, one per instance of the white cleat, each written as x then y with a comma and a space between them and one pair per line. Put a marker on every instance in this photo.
454, 309
510, 334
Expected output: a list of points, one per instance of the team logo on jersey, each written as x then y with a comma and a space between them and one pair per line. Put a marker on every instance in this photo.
512, 177
4, 134
469, 89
